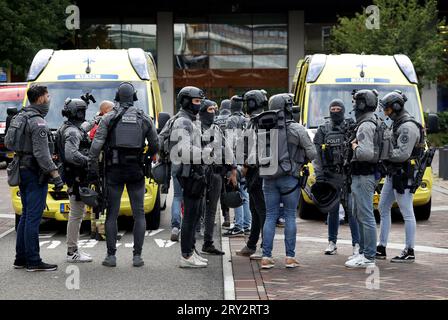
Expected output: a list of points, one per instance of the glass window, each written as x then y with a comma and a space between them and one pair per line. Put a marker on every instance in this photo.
321, 96
270, 61
192, 62
139, 36
101, 90
231, 62
230, 39
270, 39
190, 39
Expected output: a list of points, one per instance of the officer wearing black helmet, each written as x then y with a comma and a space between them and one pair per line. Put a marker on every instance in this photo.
122, 134
364, 171
328, 168
283, 184
187, 165
255, 103
73, 144
235, 125
408, 146
222, 165
221, 121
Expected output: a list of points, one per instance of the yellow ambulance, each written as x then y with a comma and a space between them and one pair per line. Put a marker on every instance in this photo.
320, 78
72, 73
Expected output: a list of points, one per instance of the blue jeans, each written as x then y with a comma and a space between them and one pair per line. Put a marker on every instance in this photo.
333, 223
33, 196
388, 197
272, 189
243, 217
364, 189
176, 206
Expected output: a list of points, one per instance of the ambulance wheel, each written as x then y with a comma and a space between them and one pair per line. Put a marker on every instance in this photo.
423, 212
153, 217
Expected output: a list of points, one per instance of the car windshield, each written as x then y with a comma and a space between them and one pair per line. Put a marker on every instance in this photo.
104, 90
4, 105
321, 96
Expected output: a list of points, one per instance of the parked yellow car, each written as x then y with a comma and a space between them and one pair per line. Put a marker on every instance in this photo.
72, 73
320, 78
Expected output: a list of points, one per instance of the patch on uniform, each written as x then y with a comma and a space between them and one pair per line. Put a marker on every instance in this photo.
361, 136
405, 131
42, 133
404, 138
41, 124
129, 119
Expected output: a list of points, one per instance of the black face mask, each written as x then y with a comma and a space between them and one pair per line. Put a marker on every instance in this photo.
337, 117
207, 118
81, 115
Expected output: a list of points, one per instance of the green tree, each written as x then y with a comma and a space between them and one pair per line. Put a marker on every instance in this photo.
26, 26
408, 27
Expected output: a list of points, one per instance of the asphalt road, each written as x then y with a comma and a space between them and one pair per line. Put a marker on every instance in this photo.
159, 278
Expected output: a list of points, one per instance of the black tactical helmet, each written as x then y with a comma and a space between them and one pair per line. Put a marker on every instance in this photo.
394, 100
365, 100
255, 99
324, 195
281, 101
72, 107
225, 104
207, 103
159, 172
88, 196
126, 93
185, 96
236, 104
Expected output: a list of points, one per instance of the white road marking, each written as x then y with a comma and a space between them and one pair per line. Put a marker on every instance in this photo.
439, 208
227, 270
7, 215
90, 243
46, 235
52, 244
4, 234
399, 246
129, 245
164, 243
153, 232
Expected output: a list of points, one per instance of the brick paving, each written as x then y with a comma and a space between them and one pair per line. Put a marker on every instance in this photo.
325, 277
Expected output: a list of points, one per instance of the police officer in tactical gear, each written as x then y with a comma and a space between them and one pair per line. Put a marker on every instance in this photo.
187, 165
285, 187
216, 172
364, 171
73, 145
122, 134
33, 149
255, 103
221, 121
234, 129
328, 166
408, 146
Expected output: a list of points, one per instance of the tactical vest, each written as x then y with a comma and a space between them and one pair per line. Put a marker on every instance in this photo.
276, 157
69, 170
221, 121
16, 135
126, 142
332, 151
419, 148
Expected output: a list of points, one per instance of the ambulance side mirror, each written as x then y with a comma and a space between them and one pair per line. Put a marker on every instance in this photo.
433, 123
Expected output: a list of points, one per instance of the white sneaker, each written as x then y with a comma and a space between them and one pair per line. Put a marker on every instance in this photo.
257, 255
199, 257
191, 262
79, 256
360, 262
331, 249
